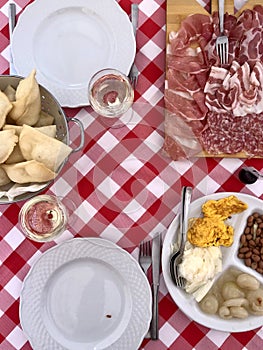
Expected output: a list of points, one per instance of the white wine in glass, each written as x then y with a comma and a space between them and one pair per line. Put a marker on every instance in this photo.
111, 96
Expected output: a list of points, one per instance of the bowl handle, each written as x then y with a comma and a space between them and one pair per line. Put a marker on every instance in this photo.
82, 133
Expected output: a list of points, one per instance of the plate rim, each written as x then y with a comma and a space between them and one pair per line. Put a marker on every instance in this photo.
79, 94
180, 298
103, 243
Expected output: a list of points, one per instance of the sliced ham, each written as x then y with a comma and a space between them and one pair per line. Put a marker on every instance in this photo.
177, 80
194, 28
184, 105
181, 136
188, 64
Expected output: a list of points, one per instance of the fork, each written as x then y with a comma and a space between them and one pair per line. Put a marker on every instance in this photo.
145, 261
222, 39
133, 75
145, 255
176, 257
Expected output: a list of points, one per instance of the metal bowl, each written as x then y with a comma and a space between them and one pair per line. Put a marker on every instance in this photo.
51, 106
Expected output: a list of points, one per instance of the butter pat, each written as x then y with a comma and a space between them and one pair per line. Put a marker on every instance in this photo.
199, 267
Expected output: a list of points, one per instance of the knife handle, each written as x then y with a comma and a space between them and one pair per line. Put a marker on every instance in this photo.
134, 17
155, 313
186, 200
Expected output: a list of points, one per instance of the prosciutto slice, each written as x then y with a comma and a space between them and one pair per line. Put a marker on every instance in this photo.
187, 69
182, 136
195, 28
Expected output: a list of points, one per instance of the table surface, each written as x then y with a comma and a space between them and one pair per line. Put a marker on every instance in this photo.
125, 190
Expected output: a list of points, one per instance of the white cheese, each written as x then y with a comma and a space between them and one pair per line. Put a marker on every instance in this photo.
199, 267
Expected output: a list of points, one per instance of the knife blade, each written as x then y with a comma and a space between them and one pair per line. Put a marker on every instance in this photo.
156, 266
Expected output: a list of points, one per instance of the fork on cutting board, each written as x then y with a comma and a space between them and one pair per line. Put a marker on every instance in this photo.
222, 40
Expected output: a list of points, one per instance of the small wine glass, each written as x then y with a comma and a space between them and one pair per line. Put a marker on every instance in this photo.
111, 95
43, 218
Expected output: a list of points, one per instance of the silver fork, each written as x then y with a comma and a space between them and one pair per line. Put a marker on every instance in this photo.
145, 261
145, 255
134, 73
176, 257
222, 39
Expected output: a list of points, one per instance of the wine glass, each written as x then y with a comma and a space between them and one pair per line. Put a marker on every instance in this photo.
111, 96
44, 217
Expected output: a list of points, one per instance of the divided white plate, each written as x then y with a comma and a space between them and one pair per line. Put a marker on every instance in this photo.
229, 257
86, 293
67, 41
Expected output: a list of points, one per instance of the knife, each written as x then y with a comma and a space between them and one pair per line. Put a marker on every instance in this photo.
12, 23
156, 265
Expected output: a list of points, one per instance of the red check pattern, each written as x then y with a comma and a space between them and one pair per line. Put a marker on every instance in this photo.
125, 190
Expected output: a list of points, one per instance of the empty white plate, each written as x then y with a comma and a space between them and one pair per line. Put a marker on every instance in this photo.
67, 41
86, 293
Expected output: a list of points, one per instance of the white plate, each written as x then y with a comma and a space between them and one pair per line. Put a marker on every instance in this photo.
86, 293
67, 41
229, 257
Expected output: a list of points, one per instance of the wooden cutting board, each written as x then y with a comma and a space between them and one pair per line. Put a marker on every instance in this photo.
177, 10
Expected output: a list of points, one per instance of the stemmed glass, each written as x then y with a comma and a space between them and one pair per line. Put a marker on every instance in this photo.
111, 96
44, 217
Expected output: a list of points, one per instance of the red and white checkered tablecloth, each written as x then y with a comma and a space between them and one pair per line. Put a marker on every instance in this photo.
125, 190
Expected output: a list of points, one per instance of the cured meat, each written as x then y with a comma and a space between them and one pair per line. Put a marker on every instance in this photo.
178, 81
181, 136
187, 68
217, 107
193, 62
194, 28
220, 135
238, 90
225, 134
250, 29
184, 105
184, 96
234, 36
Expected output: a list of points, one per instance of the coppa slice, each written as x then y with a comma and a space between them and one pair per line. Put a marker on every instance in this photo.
35, 145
